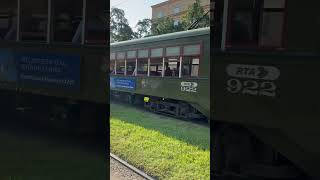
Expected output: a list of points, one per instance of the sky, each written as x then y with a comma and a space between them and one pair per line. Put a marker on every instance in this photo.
135, 10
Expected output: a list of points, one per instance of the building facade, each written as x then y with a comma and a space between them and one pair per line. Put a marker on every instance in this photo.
175, 9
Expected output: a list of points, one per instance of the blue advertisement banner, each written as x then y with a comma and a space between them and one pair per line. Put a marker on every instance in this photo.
122, 83
8, 69
50, 70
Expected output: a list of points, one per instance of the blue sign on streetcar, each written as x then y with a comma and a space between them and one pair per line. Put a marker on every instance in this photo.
8, 70
51, 70
122, 83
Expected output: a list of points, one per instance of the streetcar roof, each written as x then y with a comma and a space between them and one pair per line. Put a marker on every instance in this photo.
170, 36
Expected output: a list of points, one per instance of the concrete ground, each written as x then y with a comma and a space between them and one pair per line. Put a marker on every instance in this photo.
121, 172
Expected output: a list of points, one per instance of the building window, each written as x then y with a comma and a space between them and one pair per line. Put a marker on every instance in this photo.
176, 22
160, 14
176, 10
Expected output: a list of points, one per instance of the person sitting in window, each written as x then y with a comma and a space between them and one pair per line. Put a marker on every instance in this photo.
176, 72
168, 71
184, 72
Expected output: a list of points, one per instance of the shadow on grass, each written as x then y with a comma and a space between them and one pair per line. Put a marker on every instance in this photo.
193, 134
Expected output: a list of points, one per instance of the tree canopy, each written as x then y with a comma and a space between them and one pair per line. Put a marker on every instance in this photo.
195, 13
119, 26
143, 28
196, 17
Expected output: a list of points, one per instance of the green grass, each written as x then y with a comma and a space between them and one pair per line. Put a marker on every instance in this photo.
163, 147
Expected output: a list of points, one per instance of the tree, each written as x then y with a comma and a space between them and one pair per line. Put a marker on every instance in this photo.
164, 25
119, 26
143, 28
196, 12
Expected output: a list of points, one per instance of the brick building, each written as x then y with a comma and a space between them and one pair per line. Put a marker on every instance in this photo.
175, 9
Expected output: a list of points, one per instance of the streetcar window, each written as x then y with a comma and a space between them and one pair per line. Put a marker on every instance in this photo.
112, 66
112, 63
8, 20
67, 18
195, 67
112, 56
272, 23
143, 53
96, 22
131, 67
120, 64
173, 51
217, 17
156, 62
158, 52
34, 20
171, 67
243, 28
274, 4
156, 66
142, 68
191, 50
256, 23
131, 54
131, 63
190, 67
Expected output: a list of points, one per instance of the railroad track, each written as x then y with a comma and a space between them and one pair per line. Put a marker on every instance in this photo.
132, 168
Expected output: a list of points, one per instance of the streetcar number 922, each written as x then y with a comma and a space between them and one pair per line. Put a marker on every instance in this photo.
252, 79
252, 87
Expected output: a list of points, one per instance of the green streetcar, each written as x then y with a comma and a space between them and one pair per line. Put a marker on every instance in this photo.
53, 62
168, 73
265, 118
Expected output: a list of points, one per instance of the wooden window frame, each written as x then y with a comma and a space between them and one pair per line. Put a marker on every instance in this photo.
124, 73
49, 36
227, 14
143, 58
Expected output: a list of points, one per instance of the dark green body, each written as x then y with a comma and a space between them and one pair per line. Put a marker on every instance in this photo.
169, 87
79, 110
93, 64
289, 121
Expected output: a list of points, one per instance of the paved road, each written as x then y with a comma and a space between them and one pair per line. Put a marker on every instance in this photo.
121, 172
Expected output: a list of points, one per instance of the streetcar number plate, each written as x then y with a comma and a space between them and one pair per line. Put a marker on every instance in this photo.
252, 79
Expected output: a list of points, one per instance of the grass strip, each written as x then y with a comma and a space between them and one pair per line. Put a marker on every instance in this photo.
163, 147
